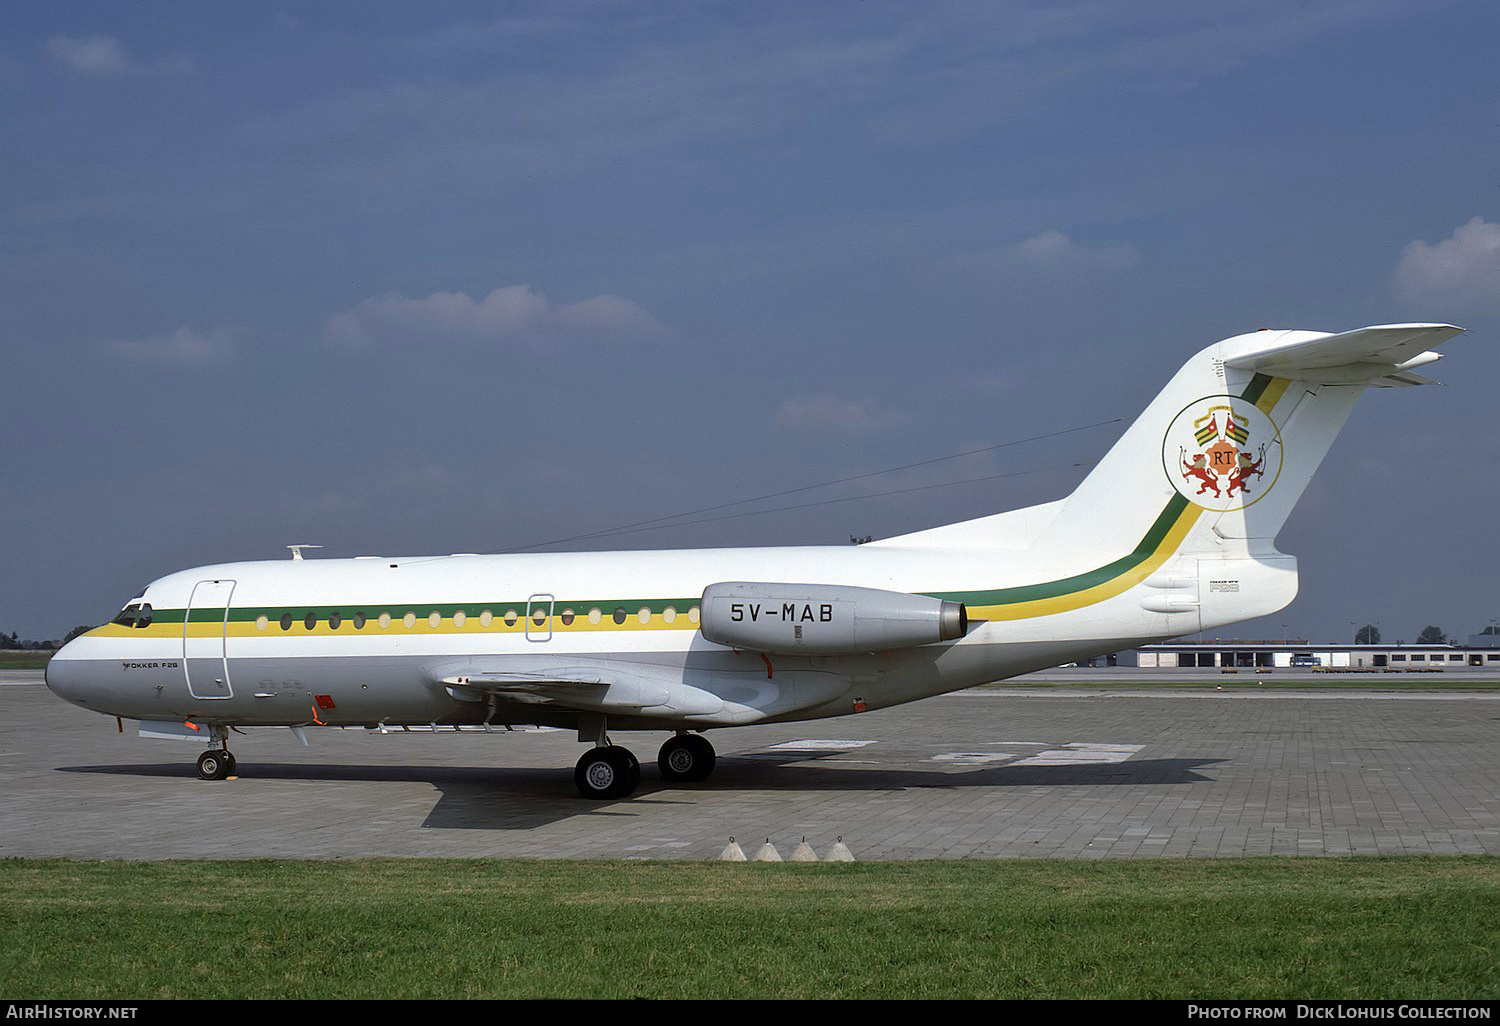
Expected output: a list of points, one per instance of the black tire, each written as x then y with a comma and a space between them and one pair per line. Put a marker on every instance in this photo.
212, 765
607, 773
233, 766
686, 758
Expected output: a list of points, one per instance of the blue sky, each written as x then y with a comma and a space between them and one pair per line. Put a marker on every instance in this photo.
466, 277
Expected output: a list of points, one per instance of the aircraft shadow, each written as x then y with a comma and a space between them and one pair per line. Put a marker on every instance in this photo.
479, 807
524, 798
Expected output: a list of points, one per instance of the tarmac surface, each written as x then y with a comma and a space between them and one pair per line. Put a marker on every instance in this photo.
1005, 772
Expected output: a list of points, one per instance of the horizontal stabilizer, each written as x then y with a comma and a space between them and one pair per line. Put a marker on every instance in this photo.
1402, 379
1362, 355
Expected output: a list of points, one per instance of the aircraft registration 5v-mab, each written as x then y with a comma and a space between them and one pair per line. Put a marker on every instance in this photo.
1173, 532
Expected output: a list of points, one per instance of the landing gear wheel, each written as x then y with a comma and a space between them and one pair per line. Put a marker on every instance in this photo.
232, 765
607, 772
212, 765
686, 757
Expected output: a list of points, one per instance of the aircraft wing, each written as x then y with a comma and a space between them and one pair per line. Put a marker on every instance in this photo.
565, 687
607, 687
1382, 354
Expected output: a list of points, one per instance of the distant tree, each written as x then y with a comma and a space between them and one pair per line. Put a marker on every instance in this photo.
13, 641
81, 629
1369, 634
1432, 636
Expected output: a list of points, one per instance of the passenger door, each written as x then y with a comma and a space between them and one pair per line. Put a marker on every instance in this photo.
204, 627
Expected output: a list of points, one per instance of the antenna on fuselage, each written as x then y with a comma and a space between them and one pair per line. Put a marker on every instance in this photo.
297, 549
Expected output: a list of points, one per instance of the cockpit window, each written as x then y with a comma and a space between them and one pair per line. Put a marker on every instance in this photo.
136, 614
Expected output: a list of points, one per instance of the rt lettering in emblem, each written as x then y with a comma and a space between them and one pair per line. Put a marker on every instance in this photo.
1219, 450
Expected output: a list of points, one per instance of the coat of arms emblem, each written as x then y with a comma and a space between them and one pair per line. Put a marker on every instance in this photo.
1222, 453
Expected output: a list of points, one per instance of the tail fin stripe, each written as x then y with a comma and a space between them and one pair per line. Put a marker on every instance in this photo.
1257, 386
1266, 395
1159, 543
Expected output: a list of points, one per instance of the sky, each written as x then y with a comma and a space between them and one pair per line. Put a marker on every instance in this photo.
408, 279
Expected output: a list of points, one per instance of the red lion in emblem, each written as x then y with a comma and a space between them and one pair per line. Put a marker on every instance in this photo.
1199, 469
1245, 470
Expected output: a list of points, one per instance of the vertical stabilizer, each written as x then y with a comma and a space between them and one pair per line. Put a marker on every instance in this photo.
1197, 489
1222, 454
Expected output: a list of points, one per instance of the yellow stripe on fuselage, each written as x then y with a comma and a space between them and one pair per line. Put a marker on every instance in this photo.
1099, 592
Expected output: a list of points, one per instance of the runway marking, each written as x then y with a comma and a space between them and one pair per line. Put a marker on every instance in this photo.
1081, 754
1078, 753
819, 746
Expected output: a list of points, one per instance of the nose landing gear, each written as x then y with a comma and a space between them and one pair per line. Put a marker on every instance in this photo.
216, 763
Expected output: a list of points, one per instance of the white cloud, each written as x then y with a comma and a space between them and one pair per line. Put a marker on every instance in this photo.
1054, 250
513, 312
103, 56
1051, 257
1460, 273
184, 347
835, 413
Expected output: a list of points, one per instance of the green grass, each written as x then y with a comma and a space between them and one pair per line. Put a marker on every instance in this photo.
1418, 927
13, 659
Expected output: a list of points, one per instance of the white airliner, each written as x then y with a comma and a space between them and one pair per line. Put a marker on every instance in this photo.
1173, 532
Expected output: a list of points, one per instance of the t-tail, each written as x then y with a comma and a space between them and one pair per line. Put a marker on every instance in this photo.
1174, 530
1200, 485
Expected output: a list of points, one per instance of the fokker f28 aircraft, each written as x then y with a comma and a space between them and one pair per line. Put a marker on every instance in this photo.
1173, 532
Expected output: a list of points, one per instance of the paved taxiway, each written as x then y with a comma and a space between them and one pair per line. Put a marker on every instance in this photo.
997, 773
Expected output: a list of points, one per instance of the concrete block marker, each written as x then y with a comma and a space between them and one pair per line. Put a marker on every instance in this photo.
767, 853
804, 853
839, 853
732, 853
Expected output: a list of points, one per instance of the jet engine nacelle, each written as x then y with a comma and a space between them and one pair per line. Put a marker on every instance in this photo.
825, 619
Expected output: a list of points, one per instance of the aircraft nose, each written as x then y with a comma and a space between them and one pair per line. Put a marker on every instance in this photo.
66, 675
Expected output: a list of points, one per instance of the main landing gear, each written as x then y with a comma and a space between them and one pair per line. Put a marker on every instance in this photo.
608, 772
686, 757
